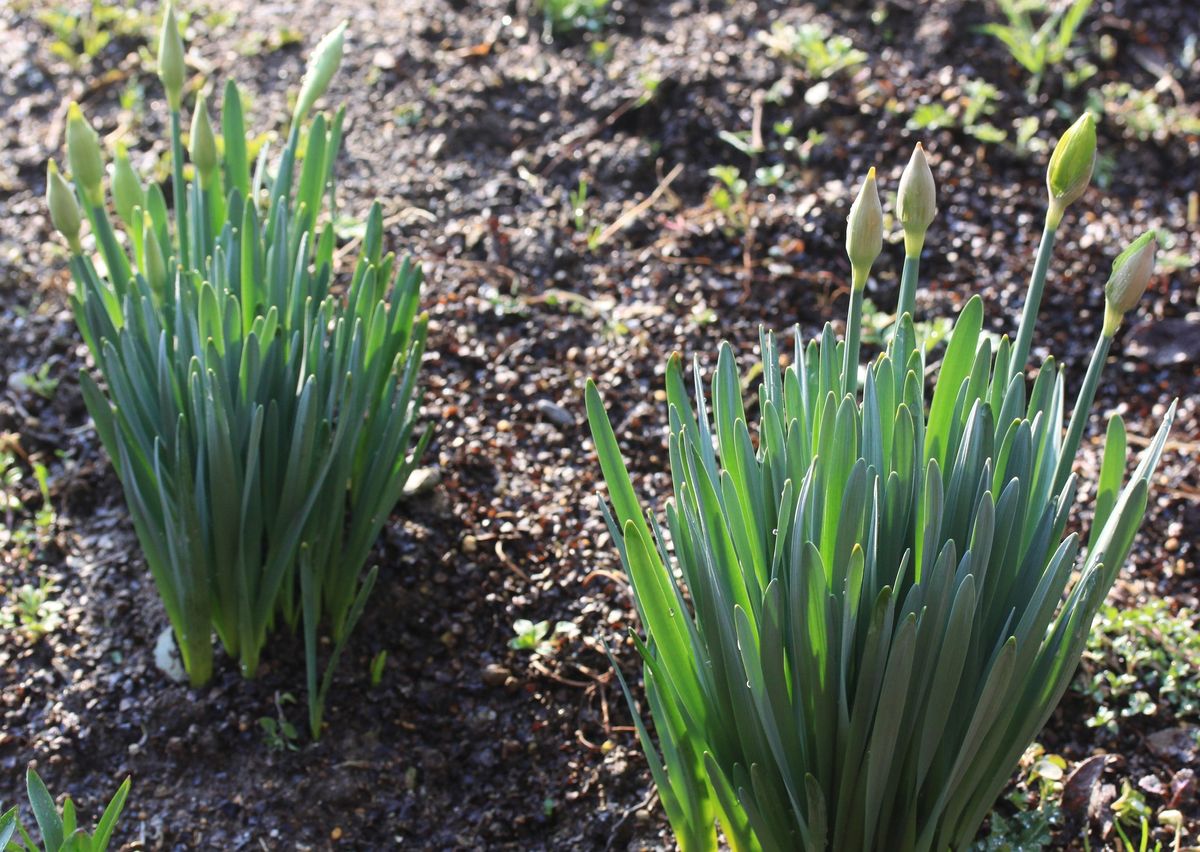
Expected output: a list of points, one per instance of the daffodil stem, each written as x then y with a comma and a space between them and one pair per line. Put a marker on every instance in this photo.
1082, 411
853, 338
1033, 299
908, 286
178, 188
114, 256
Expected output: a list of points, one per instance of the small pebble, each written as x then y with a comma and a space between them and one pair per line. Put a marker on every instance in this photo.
495, 674
554, 413
422, 481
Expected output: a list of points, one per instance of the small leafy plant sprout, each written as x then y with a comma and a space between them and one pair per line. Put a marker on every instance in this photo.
279, 733
812, 49
1044, 47
60, 831
560, 17
868, 608
378, 664
539, 638
259, 405
35, 608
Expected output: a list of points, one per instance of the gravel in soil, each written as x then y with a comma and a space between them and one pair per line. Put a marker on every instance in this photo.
473, 130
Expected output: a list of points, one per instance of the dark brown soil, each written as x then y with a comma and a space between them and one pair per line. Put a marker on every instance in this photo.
472, 131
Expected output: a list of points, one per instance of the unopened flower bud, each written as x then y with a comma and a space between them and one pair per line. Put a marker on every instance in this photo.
1071, 165
154, 268
322, 64
171, 69
202, 145
1131, 273
864, 231
83, 154
64, 209
127, 191
916, 201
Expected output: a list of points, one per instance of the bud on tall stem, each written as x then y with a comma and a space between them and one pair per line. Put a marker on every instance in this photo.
64, 209
202, 145
916, 201
127, 191
173, 74
83, 154
916, 206
154, 268
324, 62
171, 69
1130, 277
1067, 177
1131, 273
864, 231
1071, 166
864, 242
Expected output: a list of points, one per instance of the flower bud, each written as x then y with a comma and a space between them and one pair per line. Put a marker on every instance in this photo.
171, 69
154, 268
64, 209
202, 146
1131, 273
1071, 165
127, 191
916, 201
83, 154
321, 65
864, 230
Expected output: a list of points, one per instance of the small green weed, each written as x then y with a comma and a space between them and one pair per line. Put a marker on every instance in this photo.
1035, 799
580, 218
560, 17
39, 382
378, 663
728, 196
279, 733
1139, 662
1038, 48
538, 637
812, 49
1141, 115
78, 37
978, 100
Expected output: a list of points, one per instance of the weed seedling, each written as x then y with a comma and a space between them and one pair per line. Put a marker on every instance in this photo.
378, 663
279, 733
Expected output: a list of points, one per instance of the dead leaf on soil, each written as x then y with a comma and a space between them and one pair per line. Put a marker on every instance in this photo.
1178, 745
1078, 797
1183, 789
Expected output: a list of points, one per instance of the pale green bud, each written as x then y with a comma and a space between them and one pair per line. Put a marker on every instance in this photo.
1131, 273
1071, 165
127, 191
83, 154
64, 209
171, 69
864, 230
916, 201
202, 146
321, 66
154, 268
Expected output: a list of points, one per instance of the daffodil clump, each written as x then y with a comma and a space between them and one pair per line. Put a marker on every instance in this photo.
859, 615
263, 422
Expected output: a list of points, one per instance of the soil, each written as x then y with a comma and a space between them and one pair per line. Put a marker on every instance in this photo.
473, 129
